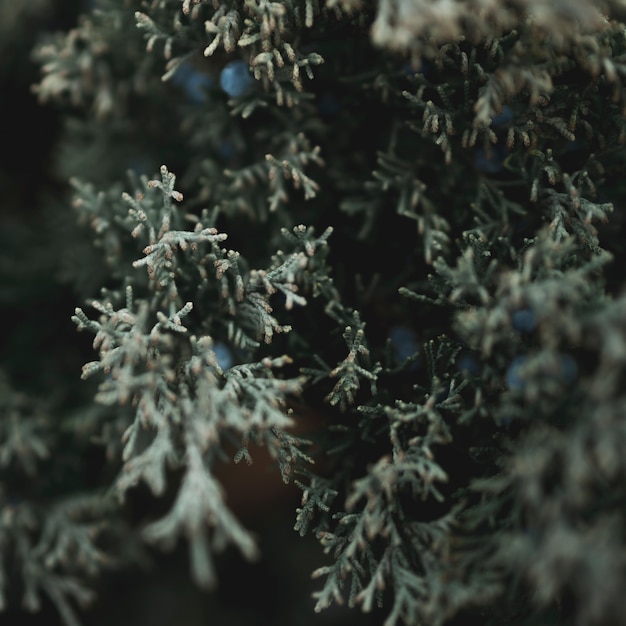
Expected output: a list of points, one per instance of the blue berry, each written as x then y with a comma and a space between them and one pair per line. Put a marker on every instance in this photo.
467, 363
404, 342
226, 149
235, 79
223, 354
139, 166
569, 369
502, 119
524, 320
424, 68
492, 163
572, 146
514, 379
567, 372
192, 82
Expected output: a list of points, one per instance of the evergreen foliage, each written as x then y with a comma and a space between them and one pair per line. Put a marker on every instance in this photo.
380, 244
